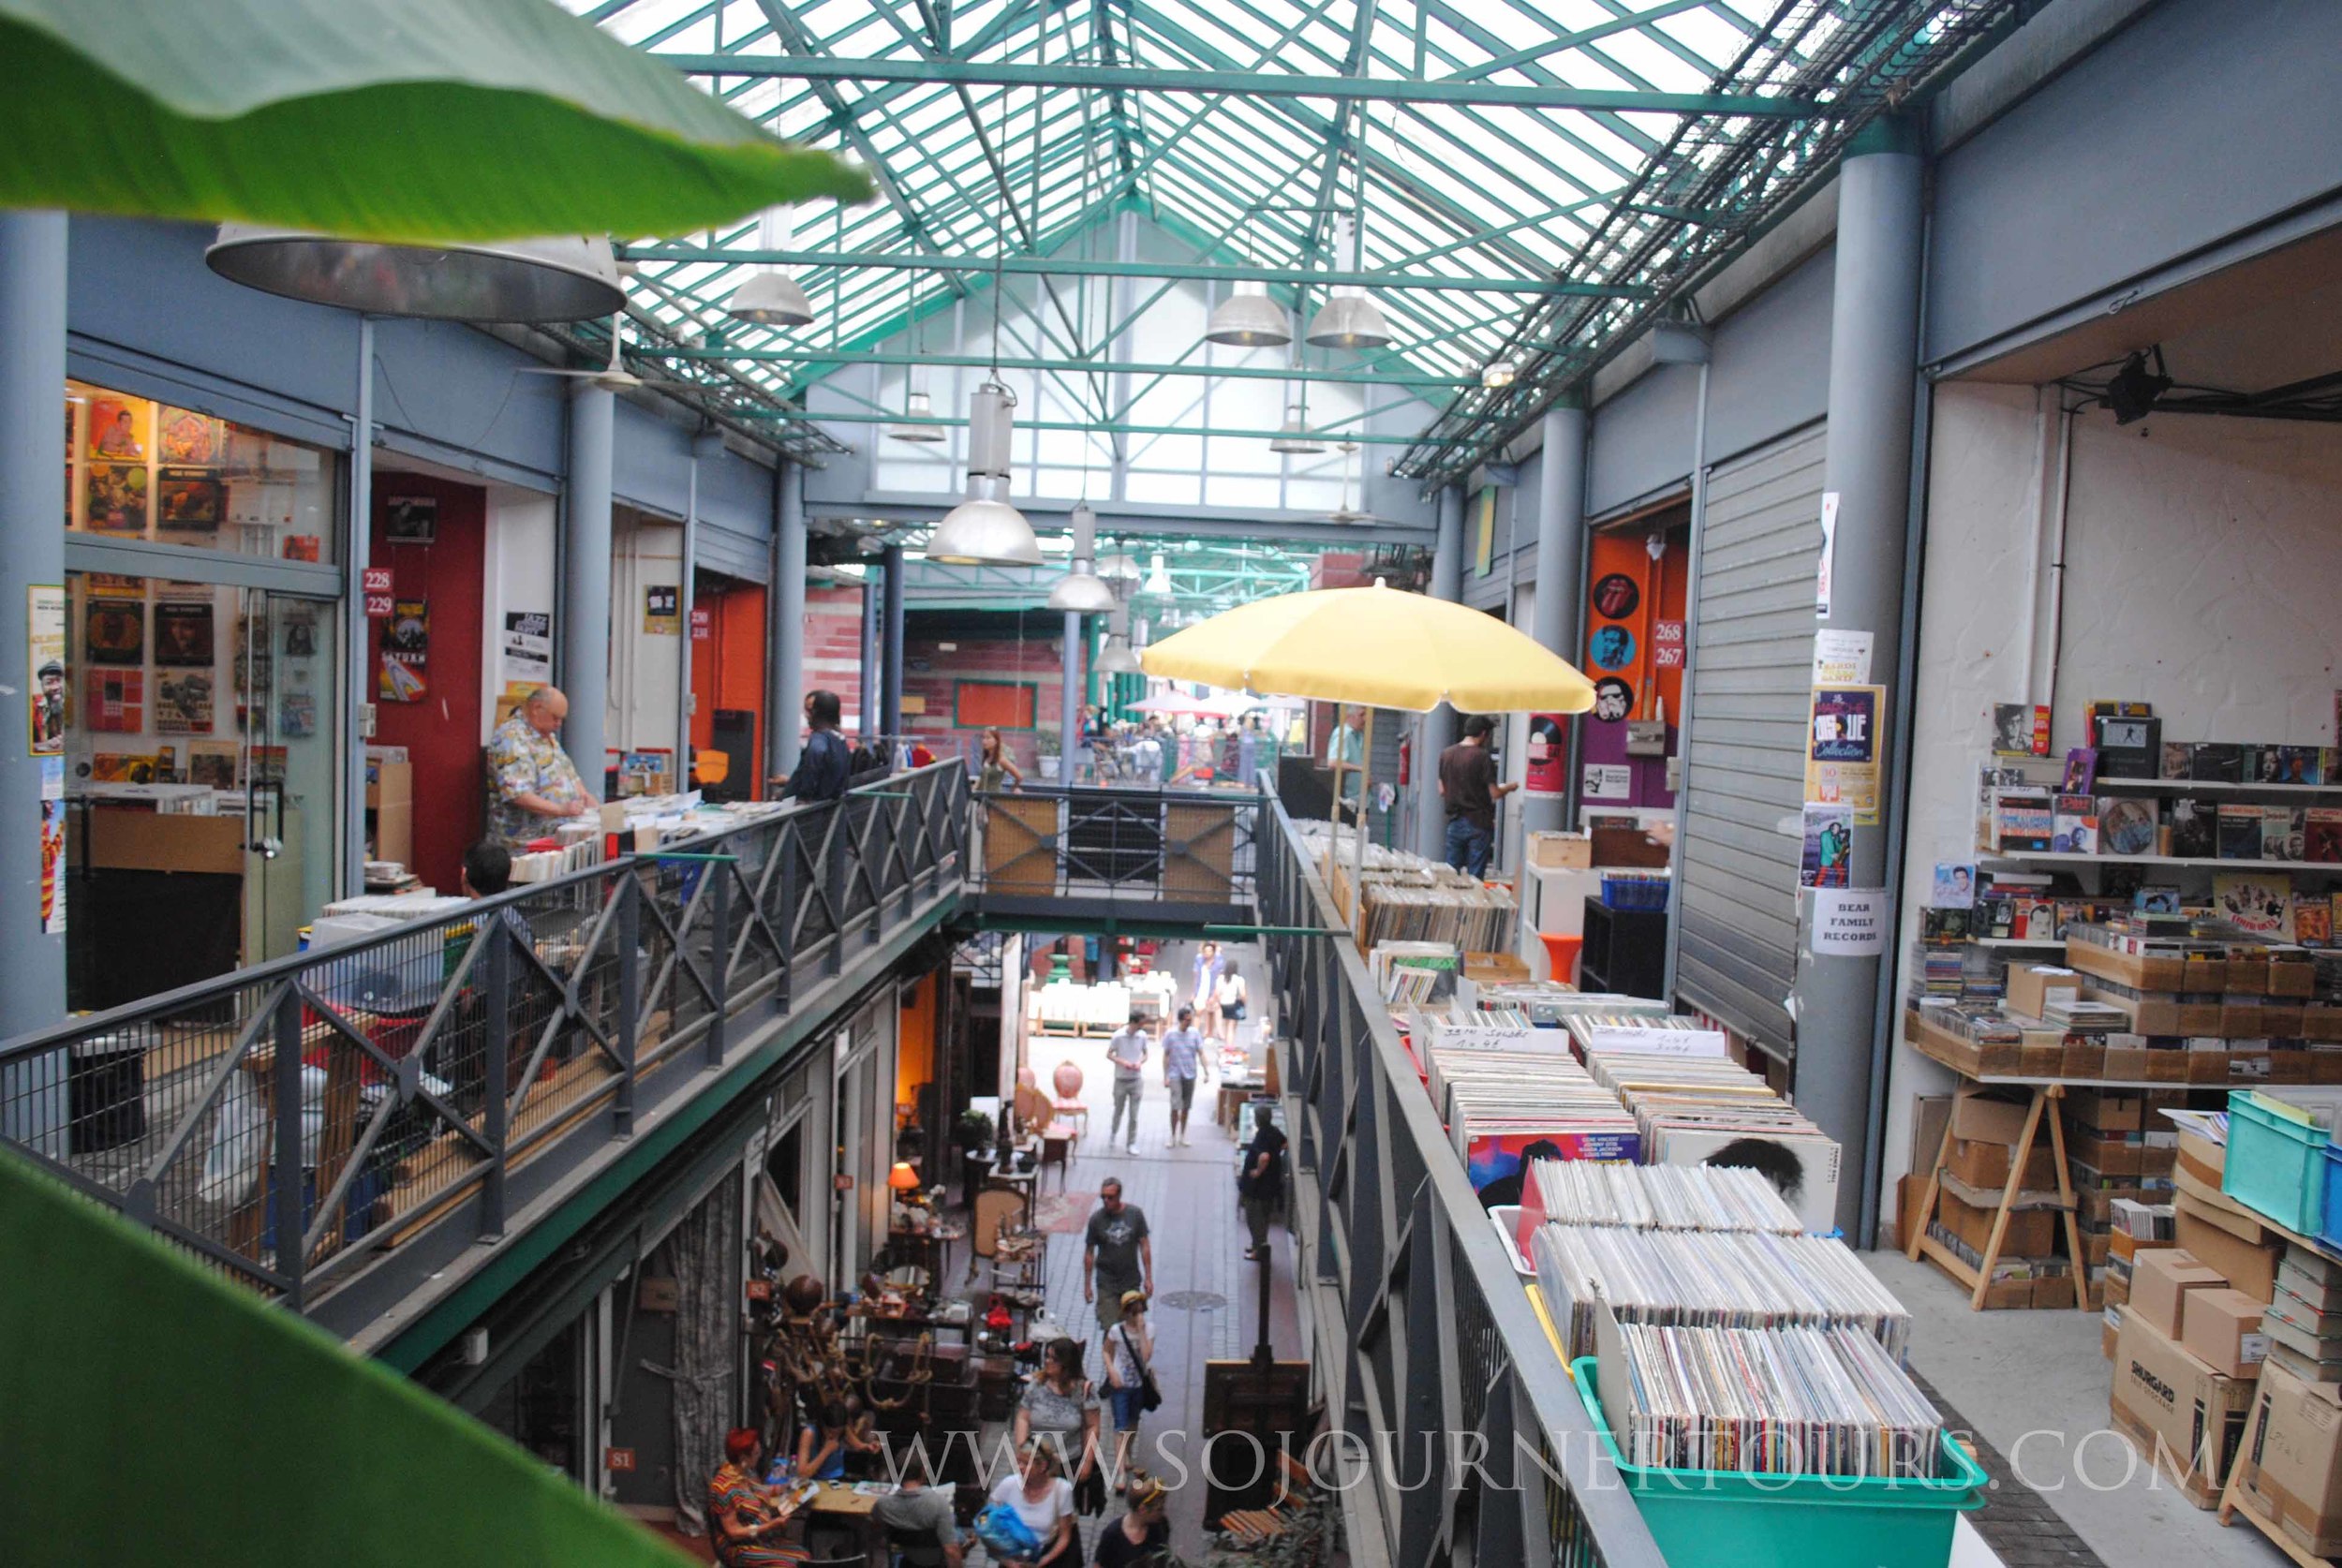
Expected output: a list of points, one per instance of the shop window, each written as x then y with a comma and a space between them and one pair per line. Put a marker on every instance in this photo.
1004, 705
140, 469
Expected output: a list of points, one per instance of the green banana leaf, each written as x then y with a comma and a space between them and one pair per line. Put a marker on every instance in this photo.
151, 1413
396, 120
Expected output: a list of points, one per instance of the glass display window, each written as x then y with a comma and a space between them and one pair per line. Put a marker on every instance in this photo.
140, 469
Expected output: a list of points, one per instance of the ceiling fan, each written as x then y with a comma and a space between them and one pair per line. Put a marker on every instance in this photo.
612, 378
1343, 513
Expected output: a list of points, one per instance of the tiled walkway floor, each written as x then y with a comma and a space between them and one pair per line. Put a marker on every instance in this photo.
1205, 1296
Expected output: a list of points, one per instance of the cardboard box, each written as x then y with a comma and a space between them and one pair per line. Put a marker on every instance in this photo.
1496, 968
2031, 987
1627, 847
2109, 1110
2292, 1474
1984, 1134
2032, 1233
2160, 1283
1561, 851
2251, 1266
2223, 1331
2181, 1414
1929, 1112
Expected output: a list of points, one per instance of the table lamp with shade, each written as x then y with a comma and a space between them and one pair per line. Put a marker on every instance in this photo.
903, 1181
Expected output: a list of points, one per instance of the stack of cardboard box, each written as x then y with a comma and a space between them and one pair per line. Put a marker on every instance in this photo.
2117, 1149
2185, 1370
2029, 1271
2137, 1228
2290, 1476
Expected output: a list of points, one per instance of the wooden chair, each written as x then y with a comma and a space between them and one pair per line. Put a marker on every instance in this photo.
996, 1209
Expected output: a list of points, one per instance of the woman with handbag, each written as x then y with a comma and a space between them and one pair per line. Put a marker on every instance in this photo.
1030, 1520
1129, 1375
1230, 995
1059, 1412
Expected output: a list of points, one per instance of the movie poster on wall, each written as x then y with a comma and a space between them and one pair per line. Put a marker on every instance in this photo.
1842, 749
406, 651
44, 655
1548, 773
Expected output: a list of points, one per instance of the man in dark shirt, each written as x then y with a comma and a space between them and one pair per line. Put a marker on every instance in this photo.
1261, 1179
822, 769
1467, 783
1117, 1253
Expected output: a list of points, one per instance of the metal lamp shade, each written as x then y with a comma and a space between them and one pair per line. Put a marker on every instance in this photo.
1082, 592
984, 529
771, 299
916, 406
1349, 322
1115, 659
1294, 436
1249, 320
564, 278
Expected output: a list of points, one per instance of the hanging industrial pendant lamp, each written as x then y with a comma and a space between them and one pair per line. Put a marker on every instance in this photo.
1295, 437
1348, 319
984, 529
770, 297
1115, 657
1082, 591
1249, 319
916, 406
570, 278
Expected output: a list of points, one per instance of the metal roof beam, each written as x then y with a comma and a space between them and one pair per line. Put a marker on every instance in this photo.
1103, 427
1112, 368
1259, 84
1072, 267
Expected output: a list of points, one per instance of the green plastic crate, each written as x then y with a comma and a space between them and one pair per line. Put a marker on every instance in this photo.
2275, 1164
1735, 1520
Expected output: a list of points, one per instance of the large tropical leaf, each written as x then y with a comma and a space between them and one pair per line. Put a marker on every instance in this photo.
416, 120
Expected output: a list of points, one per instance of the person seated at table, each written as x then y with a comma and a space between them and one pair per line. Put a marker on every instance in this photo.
822, 1447
921, 1527
1141, 1535
1044, 1499
746, 1517
865, 1451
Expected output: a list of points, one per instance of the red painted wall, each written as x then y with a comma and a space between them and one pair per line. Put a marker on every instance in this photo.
728, 665
1033, 662
441, 733
833, 650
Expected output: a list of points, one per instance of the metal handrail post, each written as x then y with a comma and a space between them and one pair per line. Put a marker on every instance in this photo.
719, 960
291, 1206
496, 994
630, 920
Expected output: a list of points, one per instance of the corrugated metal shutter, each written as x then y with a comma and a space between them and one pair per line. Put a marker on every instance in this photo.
735, 554
1751, 669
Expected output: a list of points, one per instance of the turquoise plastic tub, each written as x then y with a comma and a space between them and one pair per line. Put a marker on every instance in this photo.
2275, 1164
1734, 1521
2330, 1219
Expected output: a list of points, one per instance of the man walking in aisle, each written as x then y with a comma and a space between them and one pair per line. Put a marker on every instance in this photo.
1261, 1179
1183, 1057
1127, 1050
1467, 783
1117, 1255
1203, 989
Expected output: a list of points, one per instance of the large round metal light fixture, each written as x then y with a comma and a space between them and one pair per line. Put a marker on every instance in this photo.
1115, 657
1249, 319
1082, 591
1295, 437
1349, 320
771, 299
916, 406
566, 278
986, 530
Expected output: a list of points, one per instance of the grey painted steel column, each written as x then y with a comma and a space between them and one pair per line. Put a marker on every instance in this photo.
1561, 539
32, 552
358, 693
891, 639
1874, 352
785, 699
584, 627
1438, 729
687, 599
1070, 699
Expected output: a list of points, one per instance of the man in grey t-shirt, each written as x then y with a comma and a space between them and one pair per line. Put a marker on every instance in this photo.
1183, 1057
1127, 1050
916, 1511
1117, 1254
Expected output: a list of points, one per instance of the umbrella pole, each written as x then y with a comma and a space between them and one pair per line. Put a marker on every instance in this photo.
1357, 864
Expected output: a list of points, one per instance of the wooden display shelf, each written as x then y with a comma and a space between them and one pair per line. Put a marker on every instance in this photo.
2210, 787
2028, 857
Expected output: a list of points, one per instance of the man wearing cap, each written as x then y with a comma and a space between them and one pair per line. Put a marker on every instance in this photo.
49, 708
1467, 783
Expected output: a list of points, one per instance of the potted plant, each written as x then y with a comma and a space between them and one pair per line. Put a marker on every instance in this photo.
973, 1134
1046, 760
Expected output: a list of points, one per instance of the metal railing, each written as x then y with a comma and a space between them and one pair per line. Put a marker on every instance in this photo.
1435, 1361
1172, 847
286, 1122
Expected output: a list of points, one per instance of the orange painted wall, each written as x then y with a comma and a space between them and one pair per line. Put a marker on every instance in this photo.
914, 1059
728, 666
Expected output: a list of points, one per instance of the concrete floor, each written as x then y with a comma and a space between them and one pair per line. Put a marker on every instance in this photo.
2015, 1373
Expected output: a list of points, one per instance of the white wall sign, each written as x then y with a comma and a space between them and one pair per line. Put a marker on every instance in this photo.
1829, 550
1841, 658
1849, 922
1610, 781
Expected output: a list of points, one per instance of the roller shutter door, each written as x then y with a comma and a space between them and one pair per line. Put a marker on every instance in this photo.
746, 556
1751, 669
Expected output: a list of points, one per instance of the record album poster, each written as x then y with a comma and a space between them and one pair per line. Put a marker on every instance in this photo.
113, 630
182, 633
182, 702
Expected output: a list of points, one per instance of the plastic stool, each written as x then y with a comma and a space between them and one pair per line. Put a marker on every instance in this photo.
1561, 956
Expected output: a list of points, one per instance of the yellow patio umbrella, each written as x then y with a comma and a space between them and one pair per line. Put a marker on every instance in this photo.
1375, 647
